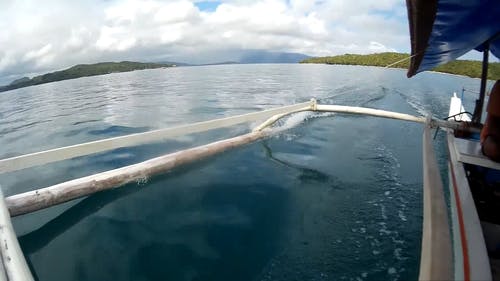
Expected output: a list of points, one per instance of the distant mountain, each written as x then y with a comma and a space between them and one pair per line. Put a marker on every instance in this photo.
240, 56
221, 63
172, 63
243, 57
262, 56
20, 80
82, 70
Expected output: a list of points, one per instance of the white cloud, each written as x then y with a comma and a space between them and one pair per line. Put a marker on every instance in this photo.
38, 54
60, 33
6, 60
376, 47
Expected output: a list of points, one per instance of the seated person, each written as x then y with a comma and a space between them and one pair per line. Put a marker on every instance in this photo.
490, 134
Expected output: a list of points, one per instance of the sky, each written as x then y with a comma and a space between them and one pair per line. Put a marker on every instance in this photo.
40, 36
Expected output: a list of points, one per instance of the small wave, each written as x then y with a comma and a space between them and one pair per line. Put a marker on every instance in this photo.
85, 121
24, 126
402, 215
372, 100
116, 130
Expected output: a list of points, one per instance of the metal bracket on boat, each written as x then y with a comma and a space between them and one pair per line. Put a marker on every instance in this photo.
454, 125
314, 104
430, 122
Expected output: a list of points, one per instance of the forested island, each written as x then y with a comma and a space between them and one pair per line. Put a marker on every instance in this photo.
460, 67
82, 70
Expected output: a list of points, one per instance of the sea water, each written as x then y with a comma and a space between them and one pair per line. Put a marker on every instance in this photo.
327, 197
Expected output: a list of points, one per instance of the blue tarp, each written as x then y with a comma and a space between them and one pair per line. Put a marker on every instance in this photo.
459, 26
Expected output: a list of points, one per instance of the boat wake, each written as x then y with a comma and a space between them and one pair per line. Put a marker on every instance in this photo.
297, 119
414, 103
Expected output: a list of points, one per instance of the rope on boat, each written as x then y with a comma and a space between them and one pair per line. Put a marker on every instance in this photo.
401, 60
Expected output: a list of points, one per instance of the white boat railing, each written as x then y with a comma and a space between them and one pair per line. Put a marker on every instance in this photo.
436, 247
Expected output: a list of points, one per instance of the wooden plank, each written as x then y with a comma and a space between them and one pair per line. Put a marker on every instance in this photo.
49, 196
469, 151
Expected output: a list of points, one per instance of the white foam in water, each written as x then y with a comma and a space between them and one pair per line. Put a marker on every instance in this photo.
397, 254
401, 215
382, 210
418, 107
142, 181
299, 118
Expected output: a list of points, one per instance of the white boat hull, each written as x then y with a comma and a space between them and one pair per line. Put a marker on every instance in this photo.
470, 255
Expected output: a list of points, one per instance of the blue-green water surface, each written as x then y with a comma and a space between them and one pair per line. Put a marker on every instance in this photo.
328, 197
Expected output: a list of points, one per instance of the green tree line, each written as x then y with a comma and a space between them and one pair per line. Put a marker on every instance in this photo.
460, 67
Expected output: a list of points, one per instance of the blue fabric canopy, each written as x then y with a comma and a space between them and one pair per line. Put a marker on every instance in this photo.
443, 30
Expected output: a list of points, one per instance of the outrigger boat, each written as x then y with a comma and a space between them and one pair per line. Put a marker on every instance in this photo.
441, 31
455, 245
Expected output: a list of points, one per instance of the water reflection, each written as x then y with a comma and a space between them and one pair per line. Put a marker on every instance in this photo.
330, 199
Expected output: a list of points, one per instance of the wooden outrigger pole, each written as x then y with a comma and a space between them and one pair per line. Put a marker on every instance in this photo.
45, 197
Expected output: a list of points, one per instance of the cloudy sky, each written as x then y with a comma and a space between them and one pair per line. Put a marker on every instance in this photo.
38, 36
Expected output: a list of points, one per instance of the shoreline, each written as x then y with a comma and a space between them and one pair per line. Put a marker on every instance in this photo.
82, 70
397, 68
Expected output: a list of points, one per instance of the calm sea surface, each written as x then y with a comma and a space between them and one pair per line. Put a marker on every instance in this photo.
331, 197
